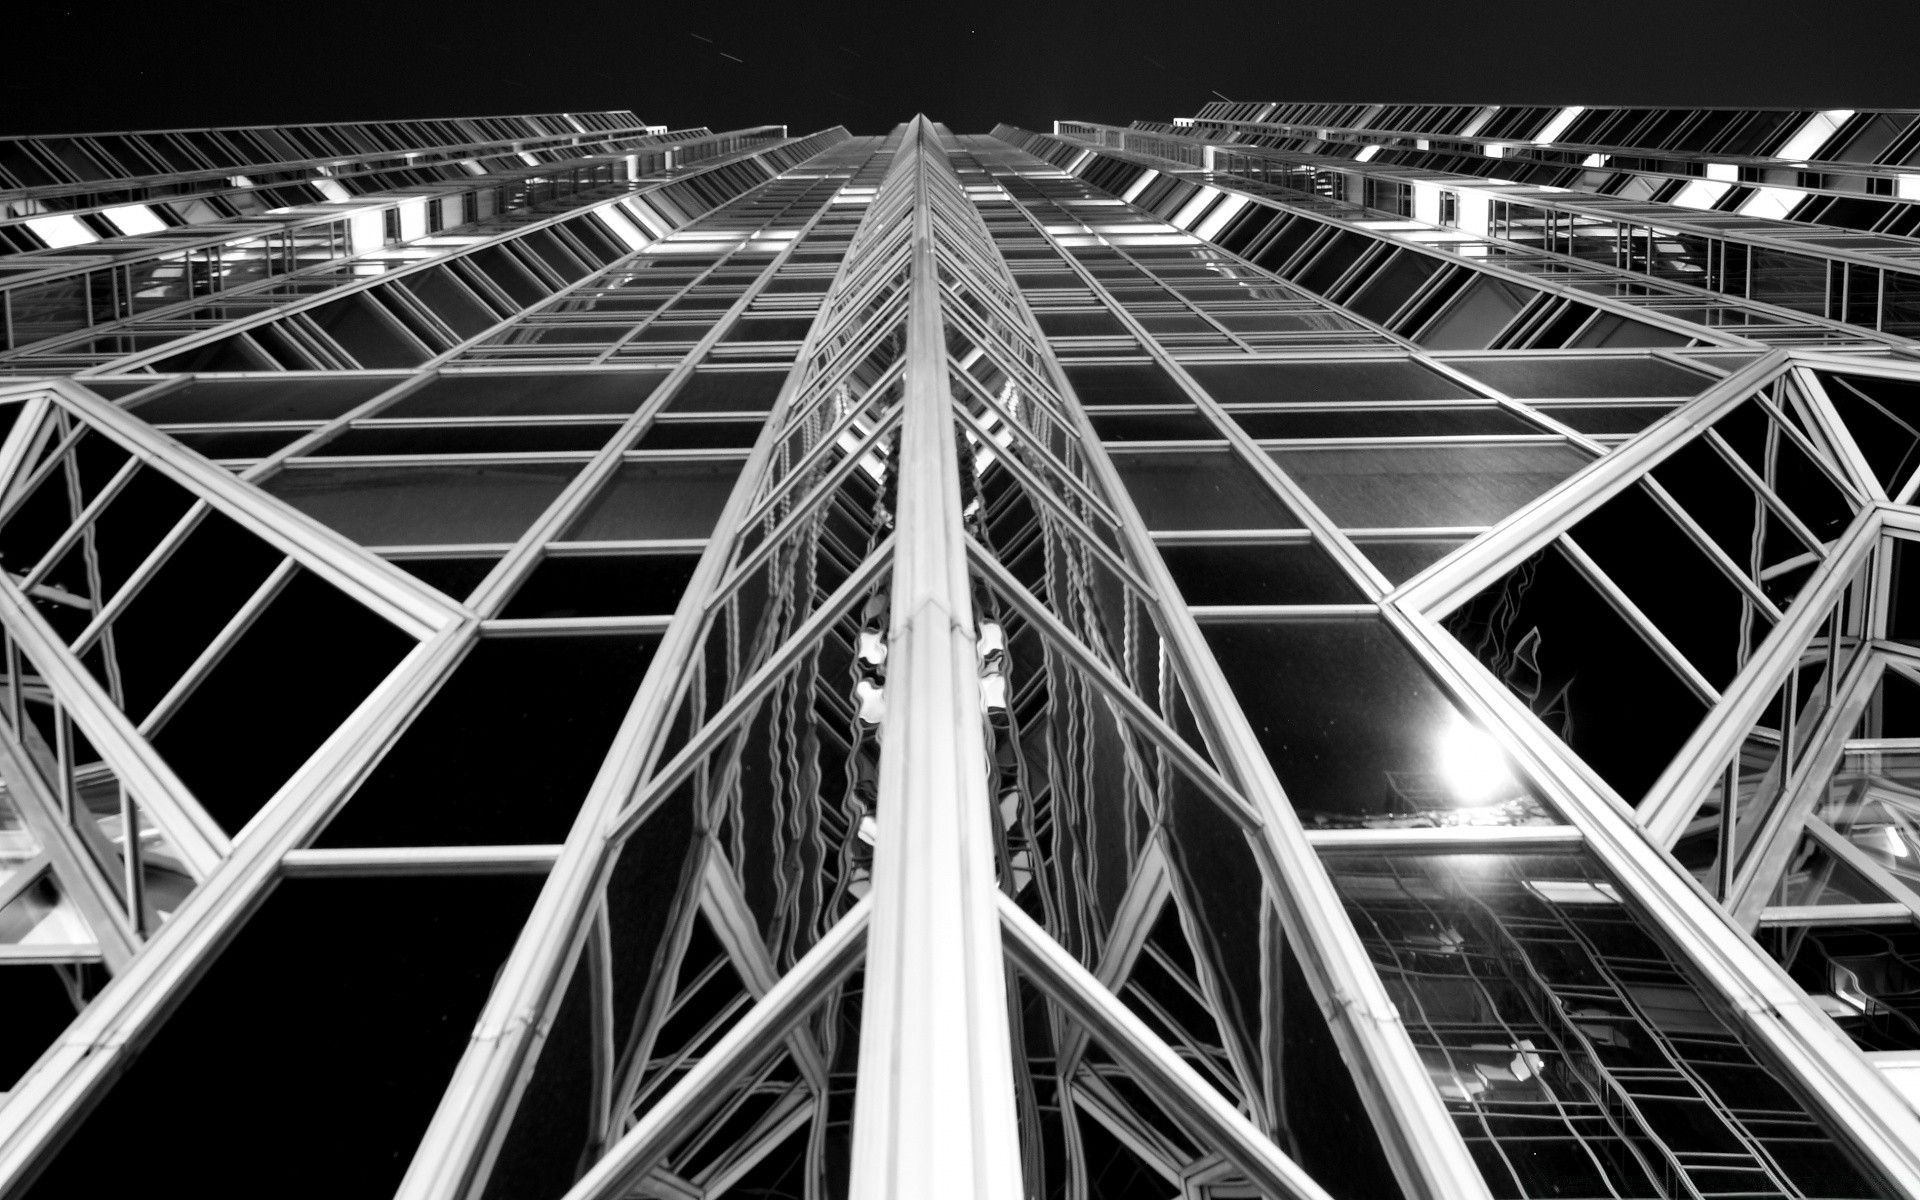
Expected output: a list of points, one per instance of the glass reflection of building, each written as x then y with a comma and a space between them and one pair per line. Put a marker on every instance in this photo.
1347, 650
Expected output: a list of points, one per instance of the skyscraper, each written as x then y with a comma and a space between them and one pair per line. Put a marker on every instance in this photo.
1311, 650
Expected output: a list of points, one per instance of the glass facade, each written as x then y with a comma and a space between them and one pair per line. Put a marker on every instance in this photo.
1311, 650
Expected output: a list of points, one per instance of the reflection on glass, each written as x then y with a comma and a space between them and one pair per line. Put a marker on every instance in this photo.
1577, 1056
1873, 799
17, 843
42, 916
164, 878
1866, 977
1815, 876
1757, 781
1361, 736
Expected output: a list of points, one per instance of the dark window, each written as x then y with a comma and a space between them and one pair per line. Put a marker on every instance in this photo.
1314, 382
1548, 377
404, 506
658, 500
1127, 383
601, 585
1259, 573
528, 395
1358, 732
251, 400
382, 1021
728, 391
1202, 490
1403, 486
505, 751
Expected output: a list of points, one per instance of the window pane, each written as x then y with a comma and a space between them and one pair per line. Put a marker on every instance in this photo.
1125, 383
261, 399
728, 391
1404, 486
528, 395
402, 506
1359, 733
1550, 376
1384, 422
658, 500
604, 586
1307, 382
1285, 573
1539, 997
1204, 490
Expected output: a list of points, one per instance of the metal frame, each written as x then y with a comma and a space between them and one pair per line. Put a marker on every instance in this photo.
934, 637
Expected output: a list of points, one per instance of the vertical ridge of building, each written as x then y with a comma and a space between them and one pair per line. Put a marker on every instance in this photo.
934, 1113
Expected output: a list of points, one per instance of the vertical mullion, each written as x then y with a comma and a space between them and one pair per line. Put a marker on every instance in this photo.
935, 1097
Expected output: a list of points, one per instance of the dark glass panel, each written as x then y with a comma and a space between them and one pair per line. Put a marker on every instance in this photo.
1200, 490
367, 331
468, 439
602, 585
398, 506
1392, 285
247, 443
260, 400
381, 1020
700, 435
728, 391
528, 395
186, 602
1259, 573
1384, 422
1359, 733
1081, 324
1671, 580
505, 751
1546, 377
1125, 383
1402, 486
1606, 418
1312, 382
297, 672
1883, 415
646, 500
1156, 427
1472, 321
1566, 652
1400, 561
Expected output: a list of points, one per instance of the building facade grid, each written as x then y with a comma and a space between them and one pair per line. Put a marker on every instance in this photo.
1308, 650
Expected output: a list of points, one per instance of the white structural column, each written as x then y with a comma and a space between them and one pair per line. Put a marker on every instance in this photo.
934, 1110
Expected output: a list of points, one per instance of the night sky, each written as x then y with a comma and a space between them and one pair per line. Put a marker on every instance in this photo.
868, 65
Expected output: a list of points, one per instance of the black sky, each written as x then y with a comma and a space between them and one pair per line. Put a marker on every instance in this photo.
868, 65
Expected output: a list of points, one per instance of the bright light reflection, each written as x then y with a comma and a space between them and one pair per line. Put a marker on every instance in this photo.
1472, 763
1895, 845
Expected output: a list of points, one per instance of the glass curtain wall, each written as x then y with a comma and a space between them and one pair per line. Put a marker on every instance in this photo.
979, 665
